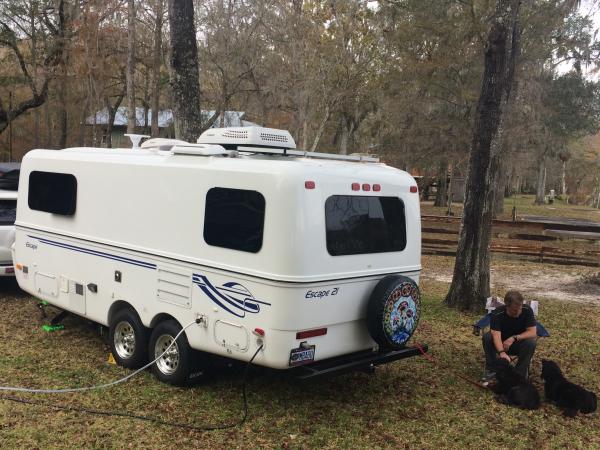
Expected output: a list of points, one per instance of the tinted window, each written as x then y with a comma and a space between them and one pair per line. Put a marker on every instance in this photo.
8, 212
234, 218
358, 224
53, 192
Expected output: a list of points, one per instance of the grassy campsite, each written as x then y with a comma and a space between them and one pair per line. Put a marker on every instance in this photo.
408, 404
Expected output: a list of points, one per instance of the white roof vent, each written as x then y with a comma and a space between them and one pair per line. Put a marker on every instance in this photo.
248, 137
161, 143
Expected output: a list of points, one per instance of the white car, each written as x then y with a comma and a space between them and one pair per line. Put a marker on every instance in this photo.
8, 210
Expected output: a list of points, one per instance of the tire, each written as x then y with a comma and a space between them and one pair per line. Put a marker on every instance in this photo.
181, 365
128, 339
393, 311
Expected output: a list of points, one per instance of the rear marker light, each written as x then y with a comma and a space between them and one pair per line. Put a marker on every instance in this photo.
366, 187
355, 187
259, 332
309, 184
311, 333
376, 187
19, 266
414, 189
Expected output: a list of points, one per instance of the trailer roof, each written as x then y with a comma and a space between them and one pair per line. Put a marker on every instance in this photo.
264, 161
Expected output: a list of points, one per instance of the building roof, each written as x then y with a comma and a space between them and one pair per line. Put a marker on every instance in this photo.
165, 118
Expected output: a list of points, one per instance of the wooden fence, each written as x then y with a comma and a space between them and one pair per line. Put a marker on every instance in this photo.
547, 241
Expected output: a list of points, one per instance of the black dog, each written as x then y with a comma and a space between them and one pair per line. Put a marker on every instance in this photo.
513, 389
568, 396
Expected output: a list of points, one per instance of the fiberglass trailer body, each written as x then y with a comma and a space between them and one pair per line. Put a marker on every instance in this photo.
313, 256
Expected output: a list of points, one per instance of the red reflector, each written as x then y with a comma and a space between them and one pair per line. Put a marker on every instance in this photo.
10, 270
309, 184
259, 332
311, 333
355, 187
376, 187
414, 189
366, 187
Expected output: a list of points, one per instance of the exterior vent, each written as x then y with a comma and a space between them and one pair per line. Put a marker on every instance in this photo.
270, 137
236, 134
230, 138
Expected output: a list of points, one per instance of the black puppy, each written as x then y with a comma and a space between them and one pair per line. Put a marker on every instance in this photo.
513, 389
568, 396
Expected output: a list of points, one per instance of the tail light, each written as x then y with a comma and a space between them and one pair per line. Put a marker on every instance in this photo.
311, 333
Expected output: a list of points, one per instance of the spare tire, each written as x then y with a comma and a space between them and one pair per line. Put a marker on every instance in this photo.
393, 311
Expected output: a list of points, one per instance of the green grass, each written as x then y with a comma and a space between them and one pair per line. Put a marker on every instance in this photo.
406, 404
525, 207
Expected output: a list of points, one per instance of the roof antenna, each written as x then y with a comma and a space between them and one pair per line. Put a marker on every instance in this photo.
136, 139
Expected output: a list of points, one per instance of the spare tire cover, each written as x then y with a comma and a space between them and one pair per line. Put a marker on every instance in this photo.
393, 311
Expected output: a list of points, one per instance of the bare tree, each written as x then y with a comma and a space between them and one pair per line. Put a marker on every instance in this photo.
471, 280
131, 113
185, 79
56, 22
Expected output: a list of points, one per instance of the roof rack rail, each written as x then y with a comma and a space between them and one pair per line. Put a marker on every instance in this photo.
306, 154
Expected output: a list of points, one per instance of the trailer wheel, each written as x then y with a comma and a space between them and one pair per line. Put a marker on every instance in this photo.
181, 365
128, 339
393, 311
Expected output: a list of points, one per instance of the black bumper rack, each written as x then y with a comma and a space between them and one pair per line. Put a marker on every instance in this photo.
360, 361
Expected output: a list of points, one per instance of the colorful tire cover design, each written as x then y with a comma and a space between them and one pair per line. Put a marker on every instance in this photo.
393, 311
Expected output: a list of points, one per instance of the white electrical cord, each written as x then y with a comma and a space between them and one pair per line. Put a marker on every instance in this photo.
100, 386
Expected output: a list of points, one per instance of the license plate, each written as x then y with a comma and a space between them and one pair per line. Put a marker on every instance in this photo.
299, 356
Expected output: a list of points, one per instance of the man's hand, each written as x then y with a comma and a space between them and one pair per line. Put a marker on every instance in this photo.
504, 355
507, 343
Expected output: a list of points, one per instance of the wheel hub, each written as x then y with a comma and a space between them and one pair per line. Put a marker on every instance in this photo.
124, 340
169, 362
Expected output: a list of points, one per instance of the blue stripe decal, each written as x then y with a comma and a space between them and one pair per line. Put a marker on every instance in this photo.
233, 297
88, 251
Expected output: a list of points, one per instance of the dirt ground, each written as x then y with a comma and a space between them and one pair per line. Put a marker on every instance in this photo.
534, 280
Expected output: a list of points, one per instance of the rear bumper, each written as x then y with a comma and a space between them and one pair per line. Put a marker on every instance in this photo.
365, 360
7, 270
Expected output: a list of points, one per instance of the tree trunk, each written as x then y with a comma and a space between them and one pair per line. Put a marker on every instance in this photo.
185, 79
442, 183
344, 137
131, 113
471, 280
112, 112
84, 113
157, 52
563, 180
48, 120
62, 111
450, 193
500, 189
540, 191
321, 128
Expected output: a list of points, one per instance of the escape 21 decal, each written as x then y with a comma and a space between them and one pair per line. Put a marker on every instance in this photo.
322, 294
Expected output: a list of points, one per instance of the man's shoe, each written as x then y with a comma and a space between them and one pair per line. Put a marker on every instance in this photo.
488, 375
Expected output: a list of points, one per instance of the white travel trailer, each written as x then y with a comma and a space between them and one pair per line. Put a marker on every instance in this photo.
316, 257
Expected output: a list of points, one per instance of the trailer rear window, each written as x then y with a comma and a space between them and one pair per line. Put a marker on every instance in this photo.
359, 224
234, 218
53, 192
8, 212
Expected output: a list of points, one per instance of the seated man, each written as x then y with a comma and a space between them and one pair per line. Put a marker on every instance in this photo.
512, 332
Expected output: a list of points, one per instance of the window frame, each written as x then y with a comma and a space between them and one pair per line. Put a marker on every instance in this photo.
70, 209
254, 250
403, 211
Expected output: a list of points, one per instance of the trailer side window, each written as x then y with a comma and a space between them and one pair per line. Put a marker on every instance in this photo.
234, 218
359, 224
53, 192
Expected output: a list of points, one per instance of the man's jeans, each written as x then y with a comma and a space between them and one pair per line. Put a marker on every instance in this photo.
523, 349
